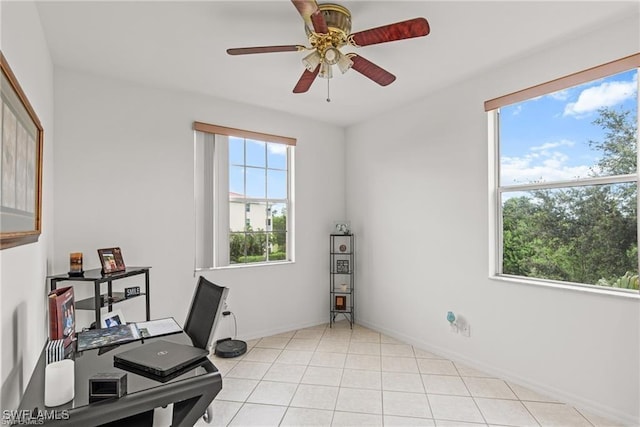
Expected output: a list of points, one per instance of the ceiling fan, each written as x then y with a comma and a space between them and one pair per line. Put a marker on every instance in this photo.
328, 28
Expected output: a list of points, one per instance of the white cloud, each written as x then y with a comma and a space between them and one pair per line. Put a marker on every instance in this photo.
606, 94
548, 145
561, 95
277, 148
517, 110
542, 163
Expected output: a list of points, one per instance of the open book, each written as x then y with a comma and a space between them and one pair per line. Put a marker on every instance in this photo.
120, 334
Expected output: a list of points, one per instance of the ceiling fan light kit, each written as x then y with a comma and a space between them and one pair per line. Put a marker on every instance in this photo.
312, 60
328, 28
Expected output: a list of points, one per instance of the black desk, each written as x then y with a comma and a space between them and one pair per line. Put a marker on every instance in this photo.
191, 393
98, 278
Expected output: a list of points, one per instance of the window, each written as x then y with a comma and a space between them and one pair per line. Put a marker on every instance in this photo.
566, 179
243, 197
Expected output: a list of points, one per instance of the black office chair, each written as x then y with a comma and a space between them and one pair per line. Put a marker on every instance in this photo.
206, 309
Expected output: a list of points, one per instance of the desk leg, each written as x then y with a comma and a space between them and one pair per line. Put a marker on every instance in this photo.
97, 300
146, 290
188, 412
110, 295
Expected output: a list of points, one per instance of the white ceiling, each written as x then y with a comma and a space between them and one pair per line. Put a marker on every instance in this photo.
181, 45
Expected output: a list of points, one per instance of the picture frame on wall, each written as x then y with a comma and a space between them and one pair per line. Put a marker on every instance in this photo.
21, 164
111, 260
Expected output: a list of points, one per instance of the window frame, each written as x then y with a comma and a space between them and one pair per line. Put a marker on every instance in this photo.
496, 189
222, 198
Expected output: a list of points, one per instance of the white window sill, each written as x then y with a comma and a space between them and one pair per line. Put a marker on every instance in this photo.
605, 291
249, 265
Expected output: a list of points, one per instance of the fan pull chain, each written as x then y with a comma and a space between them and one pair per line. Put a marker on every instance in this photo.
328, 97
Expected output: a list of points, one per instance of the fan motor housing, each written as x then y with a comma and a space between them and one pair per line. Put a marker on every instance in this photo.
338, 18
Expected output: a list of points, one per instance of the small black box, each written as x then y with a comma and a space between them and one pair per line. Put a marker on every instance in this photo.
107, 385
132, 291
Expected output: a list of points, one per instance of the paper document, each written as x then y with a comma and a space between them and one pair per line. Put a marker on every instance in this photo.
158, 327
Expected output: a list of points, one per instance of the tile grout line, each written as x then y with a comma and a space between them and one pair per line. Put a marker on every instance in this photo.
470, 394
424, 387
522, 403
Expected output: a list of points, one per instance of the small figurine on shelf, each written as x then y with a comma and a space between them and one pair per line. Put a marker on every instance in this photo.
75, 264
342, 227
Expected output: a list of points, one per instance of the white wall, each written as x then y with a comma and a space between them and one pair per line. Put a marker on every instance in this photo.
124, 177
417, 197
23, 269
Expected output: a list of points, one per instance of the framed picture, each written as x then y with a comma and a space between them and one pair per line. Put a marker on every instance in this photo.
113, 318
111, 260
342, 266
75, 264
342, 227
20, 164
341, 302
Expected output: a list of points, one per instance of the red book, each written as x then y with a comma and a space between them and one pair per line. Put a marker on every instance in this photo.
62, 323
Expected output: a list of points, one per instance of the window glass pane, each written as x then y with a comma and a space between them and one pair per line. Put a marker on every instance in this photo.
577, 234
237, 248
278, 216
256, 246
237, 216
276, 156
236, 181
256, 153
584, 131
236, 150
276, 184
258, 216
277, 246
256, 183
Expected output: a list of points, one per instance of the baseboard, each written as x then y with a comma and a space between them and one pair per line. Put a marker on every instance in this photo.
579, 402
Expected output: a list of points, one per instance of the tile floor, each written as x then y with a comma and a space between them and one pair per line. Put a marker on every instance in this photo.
323, 376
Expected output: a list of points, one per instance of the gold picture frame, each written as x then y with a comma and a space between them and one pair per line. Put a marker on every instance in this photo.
21, 137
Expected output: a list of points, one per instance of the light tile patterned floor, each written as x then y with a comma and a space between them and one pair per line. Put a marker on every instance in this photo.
323, 376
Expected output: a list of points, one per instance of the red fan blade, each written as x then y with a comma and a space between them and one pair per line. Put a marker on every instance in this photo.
306, 80
306, 8
264, 49
371, 70
417, 27
319, 23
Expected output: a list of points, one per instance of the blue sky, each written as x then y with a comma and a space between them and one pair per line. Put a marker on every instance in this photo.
547, 138
259, 155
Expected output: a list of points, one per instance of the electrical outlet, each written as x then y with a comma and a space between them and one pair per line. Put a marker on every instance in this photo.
465, 330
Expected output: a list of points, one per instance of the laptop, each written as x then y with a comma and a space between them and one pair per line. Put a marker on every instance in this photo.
160, 358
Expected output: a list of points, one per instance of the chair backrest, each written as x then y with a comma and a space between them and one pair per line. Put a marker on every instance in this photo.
206, 309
